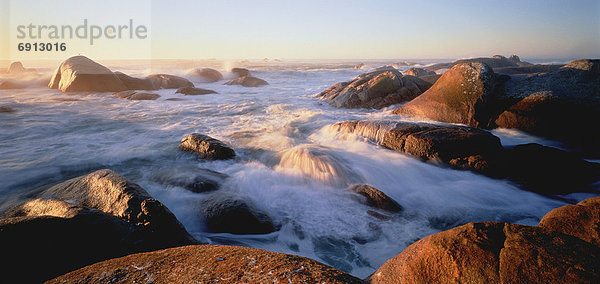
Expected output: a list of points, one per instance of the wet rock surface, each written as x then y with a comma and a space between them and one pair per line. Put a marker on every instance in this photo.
229, 214
248, 81
192, 91
206, 147
136, 95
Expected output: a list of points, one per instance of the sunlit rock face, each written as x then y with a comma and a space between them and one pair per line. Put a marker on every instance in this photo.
81, 74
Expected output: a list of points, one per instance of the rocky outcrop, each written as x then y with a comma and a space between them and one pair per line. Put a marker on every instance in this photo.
165, 81
208, 75
10, 85
228, 214
248, 81
240, 72
418, 72
496, 61
192, 91
192, 179
208, 264
494, 253
133, 83
375, 90
16, 68
581, 220
136, 95
527, 70
375, 198
81, 74
113, 194
464, 94
206, 147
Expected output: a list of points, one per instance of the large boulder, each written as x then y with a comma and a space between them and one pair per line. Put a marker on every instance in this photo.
133, 83
136, 95
581, 220
56, 237
192, 91
464, 94
81, 74
206, 147
376, 89
208, 264
248, 81
240, 72
113, 194
494, 253
228, 214
208, 75
165, 81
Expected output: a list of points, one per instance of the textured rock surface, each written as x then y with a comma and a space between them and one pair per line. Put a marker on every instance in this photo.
248, 81
192, 91
581, 220
16, 68
496, 61
228, 214
81, 74
208, 264
206, 147
208, 75
165, 81
375, 90
136, 95
376, 198
418, 72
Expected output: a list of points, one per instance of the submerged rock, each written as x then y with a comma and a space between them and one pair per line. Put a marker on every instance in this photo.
206, 147
240, 72
376, 198
207, 264
136, 95
165, 81
192, 179
375, 90
208, 75
192, 91
248, 81
6, 109
81, 74
227, 214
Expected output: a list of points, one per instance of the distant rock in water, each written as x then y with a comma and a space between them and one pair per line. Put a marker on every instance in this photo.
375, 90
81, 74
16, 68
10, 85
376, 198
206, 147
192, 91
248, 81
208, 75
228, 214
496, 61
6, 109
240, 72
133, 83
192, 179
418, 72
563, 248
462, 95
318, 163
359, 66
136, 95
165, 81
207, 264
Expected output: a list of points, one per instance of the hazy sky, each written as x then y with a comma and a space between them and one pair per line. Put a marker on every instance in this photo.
327, 29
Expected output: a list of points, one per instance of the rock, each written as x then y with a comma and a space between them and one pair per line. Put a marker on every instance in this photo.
6, 109
206, 147
426, 141
192, 91
10, 85
496, 61
224, 214
240, 72
375, 90
208, 75
418, 72
581, 220
113, 194
208, 264
376, 198
359, 66
165, 81
431, 79
461, 95
133, 83
527, 70
247, 81
16, 68
136, 95
493, 253
562, 105
81, 74
192, 179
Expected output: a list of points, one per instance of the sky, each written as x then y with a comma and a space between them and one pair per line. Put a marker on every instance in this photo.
313, 29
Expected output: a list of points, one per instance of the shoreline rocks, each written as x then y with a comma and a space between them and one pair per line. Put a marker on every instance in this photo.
240, 72
248, 81
208, 75
192, 91
81, 74
166, 81
206, 147
228, 214
136, 95
376, 89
